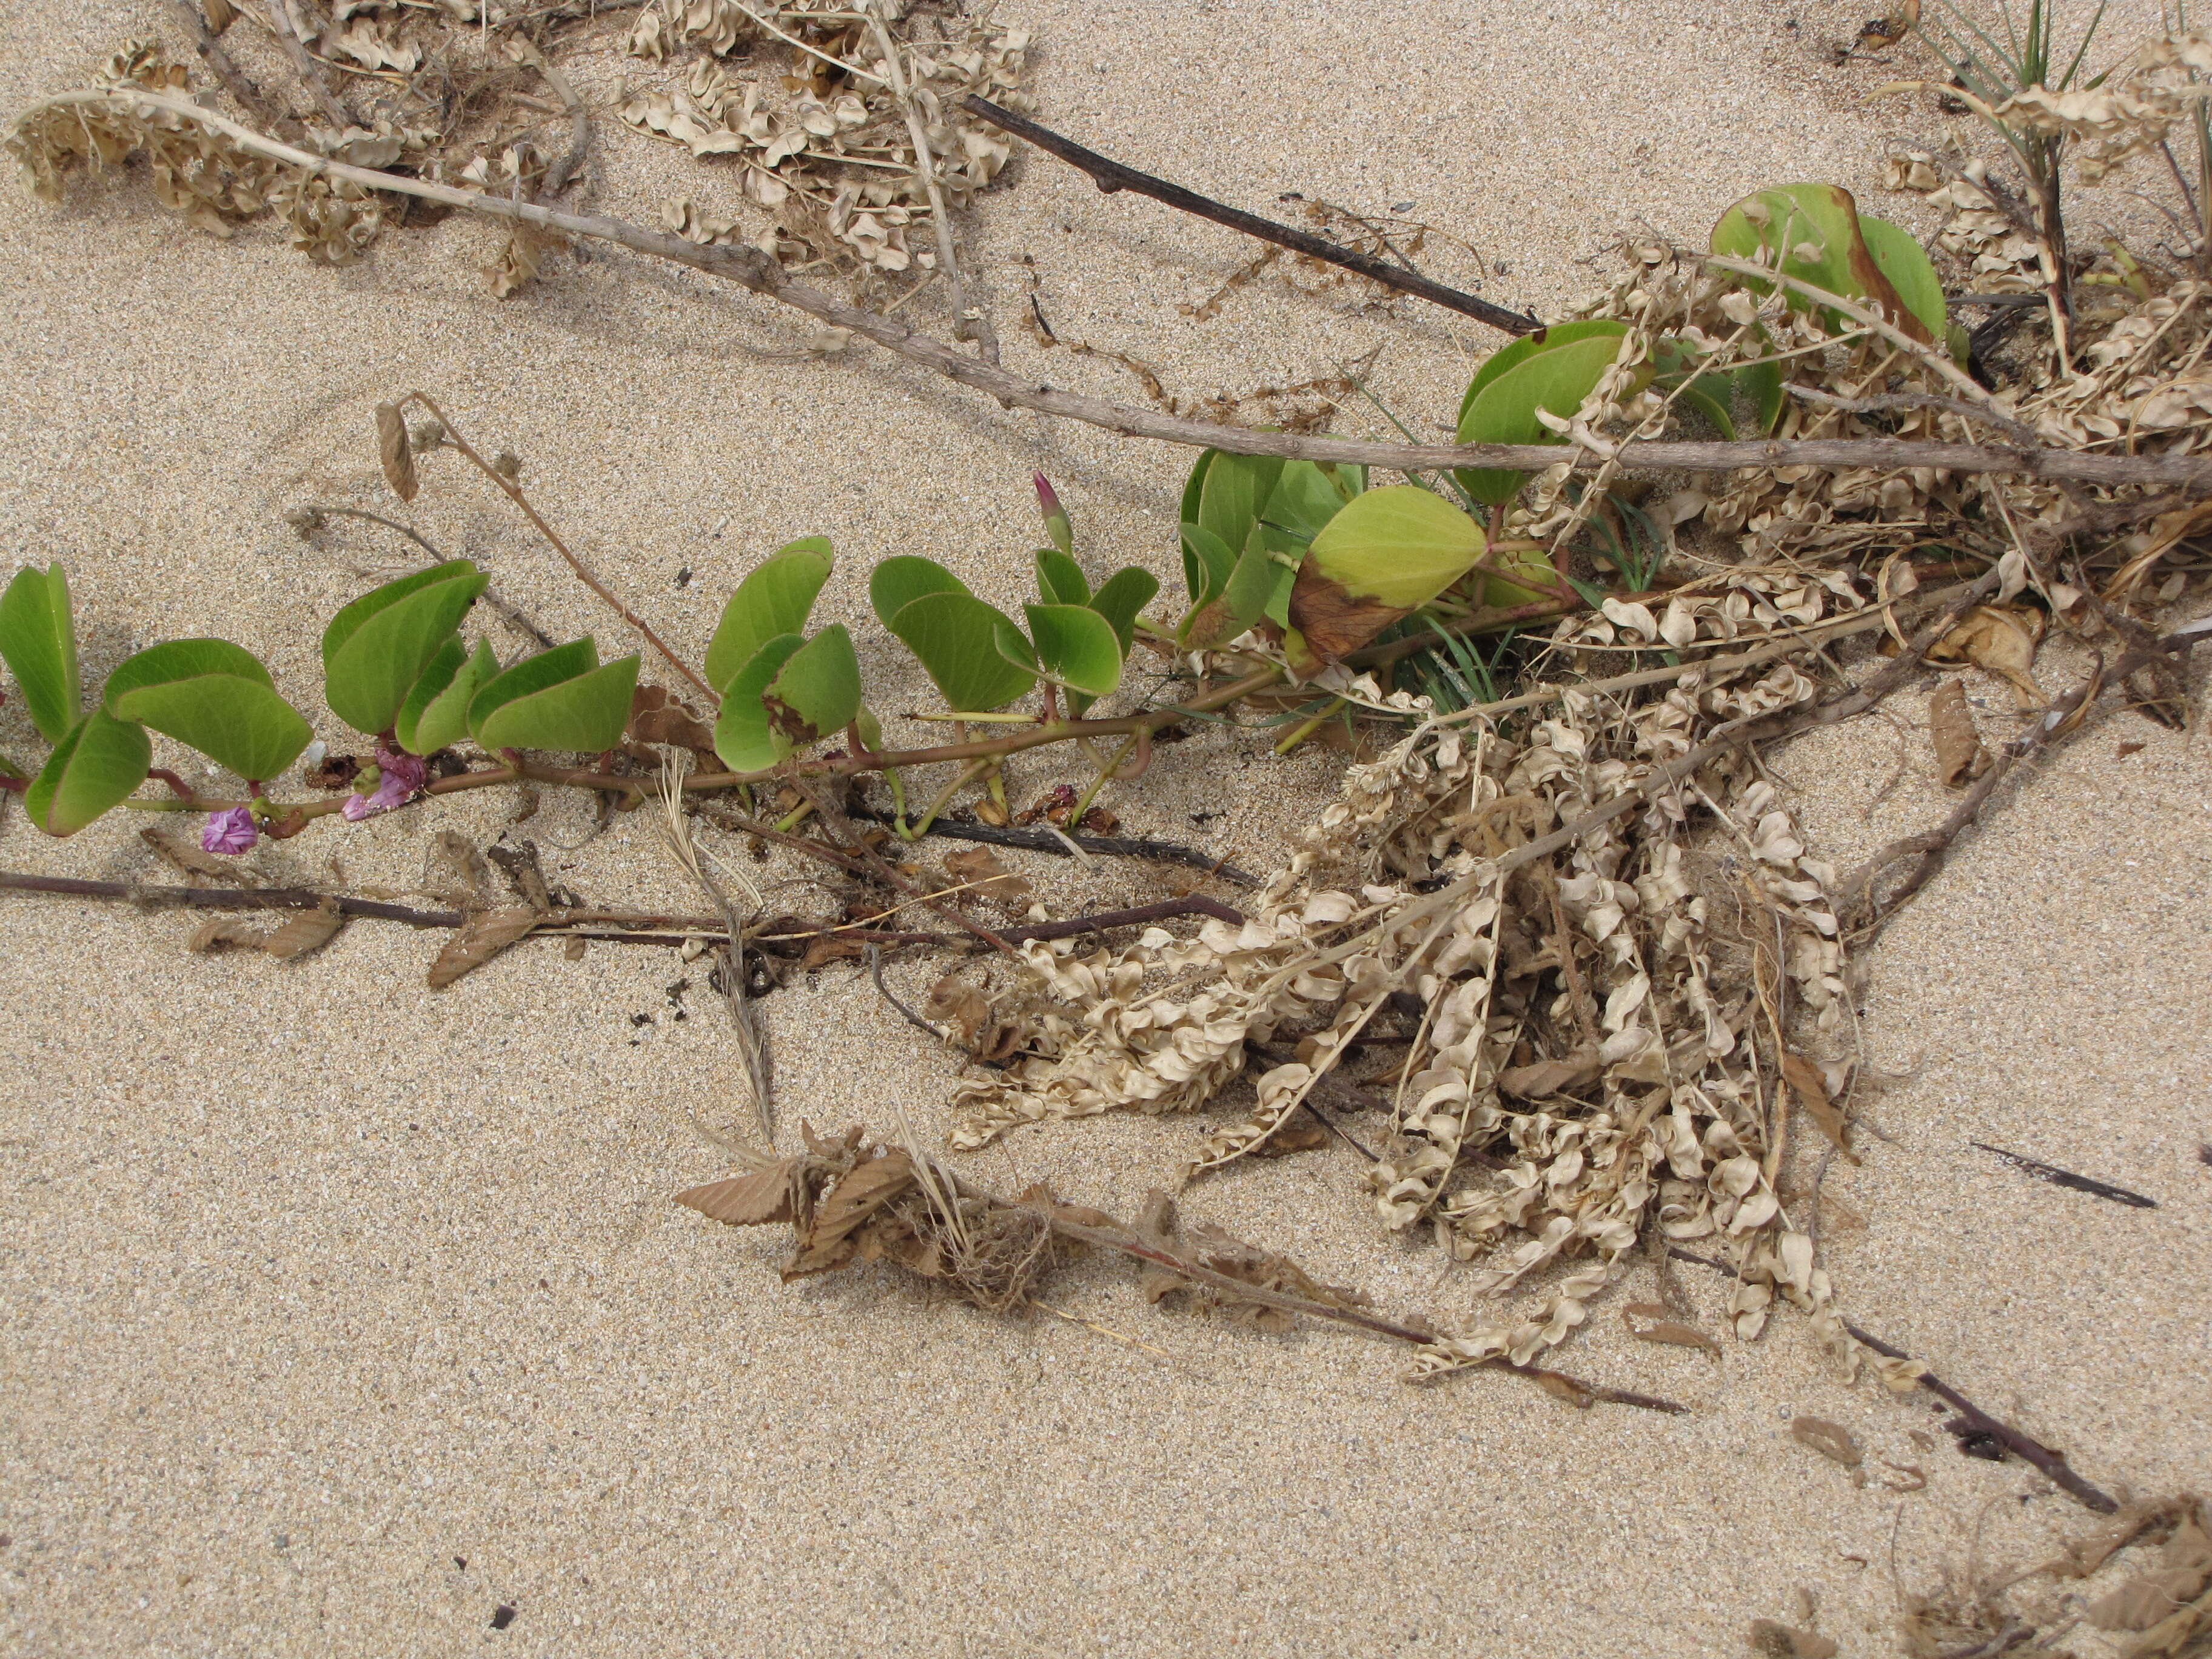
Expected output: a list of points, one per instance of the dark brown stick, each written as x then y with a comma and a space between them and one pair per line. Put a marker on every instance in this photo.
754, 270
2052, 1463
2068, 1178
229, 898
1111, 176
1044, 841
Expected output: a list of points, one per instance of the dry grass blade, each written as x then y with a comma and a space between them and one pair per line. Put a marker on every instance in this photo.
674, 825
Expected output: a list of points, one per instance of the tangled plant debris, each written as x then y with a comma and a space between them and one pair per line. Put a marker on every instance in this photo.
1609, 980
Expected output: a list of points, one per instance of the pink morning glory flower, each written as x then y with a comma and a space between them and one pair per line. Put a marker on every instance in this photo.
399, 775
231, 831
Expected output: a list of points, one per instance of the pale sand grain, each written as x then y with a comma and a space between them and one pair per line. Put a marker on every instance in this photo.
317, 1284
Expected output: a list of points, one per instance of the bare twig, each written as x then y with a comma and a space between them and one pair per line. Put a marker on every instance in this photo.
2068, 1178
236, 80
1042, 841
228, 898
876, 973
751, 269
2020, 432
1111, 176
514, 493
304, 65
2052, 1463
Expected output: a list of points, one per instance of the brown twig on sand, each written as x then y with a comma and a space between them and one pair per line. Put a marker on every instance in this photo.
193, 20
1045, 840
1930, 848
2052, 1463
228, 898
751, 269
1111, 176
514, 493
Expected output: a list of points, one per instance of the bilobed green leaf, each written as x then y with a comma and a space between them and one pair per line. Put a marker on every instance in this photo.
38, 641
238, 723
586, 712
1194, 486
1504, 411
1075, 648
1207, 563
1399, 546
900, 580
1904, 263
1121, 597
1305, 498
180, 660
957, 637
532, 674
376, 648
1761, 382
1060, 581
1236, 488
436, 711
1544, 339
741, 732
775, 600
98, 763
1812, 232
815, 691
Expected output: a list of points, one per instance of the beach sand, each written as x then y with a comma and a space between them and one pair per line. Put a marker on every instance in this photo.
340, 1313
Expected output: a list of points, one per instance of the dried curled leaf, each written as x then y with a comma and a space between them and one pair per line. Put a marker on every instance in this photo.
1658, 1327
1811, 1089
1832, 1441
225, 931
393, 450
2001, 641
1959, 757
479, 939
309, 931
1210, 1248
753, 1200
1776, 1641
978, 870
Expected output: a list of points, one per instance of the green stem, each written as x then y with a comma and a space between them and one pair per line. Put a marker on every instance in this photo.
1106, 771
944, 795
1305, 729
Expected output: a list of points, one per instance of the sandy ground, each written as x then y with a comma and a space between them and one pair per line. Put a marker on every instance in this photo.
339, 1313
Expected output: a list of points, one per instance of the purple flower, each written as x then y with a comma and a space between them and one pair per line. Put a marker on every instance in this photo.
399, 775
1056, 527
231, 831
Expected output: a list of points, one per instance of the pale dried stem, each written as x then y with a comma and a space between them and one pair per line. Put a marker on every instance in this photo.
754, 270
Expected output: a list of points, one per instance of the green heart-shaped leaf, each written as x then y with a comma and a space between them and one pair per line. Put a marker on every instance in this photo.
1555, 380
97, 764
815, 693
436, 711
1306, 497
897, 583
1121, 597
1901, 258
1388, 551
1075, 648
38, 641
180, 660
238, 723
741, 732
1544, 339
1207, 563
558, 699
775, 600
1060, 581
957, 637
1812, 232
376, 648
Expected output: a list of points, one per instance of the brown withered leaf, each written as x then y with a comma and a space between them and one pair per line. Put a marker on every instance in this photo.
954, 1002
333, 772
519, 862
1774, 1641
990, 812
224, 931
1811, 1092
753, 1200
655, 716
978, 869
1659, 1327
1302, 1133
452, 869
220, 15
2000, 639
195, 861
1550, 1077
1210, 1248
1832, 1441
826, 1240
479, 939
1333, 620
1561, 1386
392, 448
825, 948
310, 930
1959, 757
